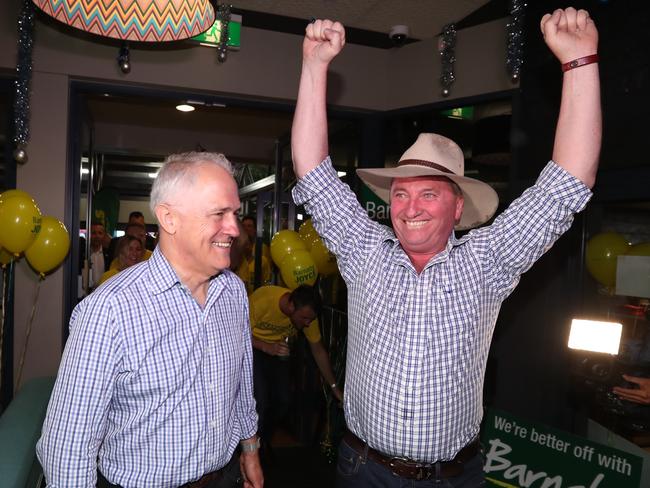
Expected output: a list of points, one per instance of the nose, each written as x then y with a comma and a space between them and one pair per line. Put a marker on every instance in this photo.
232, 225
412, 208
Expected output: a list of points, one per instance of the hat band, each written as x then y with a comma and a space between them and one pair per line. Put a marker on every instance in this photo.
429, 164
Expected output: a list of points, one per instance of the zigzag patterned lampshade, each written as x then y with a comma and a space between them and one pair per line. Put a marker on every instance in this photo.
134, 20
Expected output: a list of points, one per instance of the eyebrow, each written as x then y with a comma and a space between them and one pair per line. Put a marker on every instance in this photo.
224, 209
422, 190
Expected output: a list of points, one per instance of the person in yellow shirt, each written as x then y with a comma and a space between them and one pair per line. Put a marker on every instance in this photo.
246, 272
139, 232
129, 251
276, 315
250, 228
242, 261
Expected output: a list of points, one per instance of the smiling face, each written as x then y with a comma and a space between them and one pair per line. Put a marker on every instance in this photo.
130, 254
424, 211
206, 211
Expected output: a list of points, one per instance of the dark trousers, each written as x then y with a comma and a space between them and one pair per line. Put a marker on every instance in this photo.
355, 470
231, 477
271, 378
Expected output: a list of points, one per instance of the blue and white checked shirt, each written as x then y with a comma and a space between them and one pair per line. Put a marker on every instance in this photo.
151, 388
418, 343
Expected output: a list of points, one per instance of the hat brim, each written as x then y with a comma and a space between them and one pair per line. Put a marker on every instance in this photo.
481, 201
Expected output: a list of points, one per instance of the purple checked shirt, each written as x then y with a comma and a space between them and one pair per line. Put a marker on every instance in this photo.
418, 343
152, 389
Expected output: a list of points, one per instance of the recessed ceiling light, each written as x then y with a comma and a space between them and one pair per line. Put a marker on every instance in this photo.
184, 107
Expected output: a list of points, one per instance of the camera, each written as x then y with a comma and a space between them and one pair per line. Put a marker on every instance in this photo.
399, 34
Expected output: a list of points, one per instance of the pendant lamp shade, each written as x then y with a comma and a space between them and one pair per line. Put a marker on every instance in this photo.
134, 20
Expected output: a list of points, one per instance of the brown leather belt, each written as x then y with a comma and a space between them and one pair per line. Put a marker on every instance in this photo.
408, 468
205, 480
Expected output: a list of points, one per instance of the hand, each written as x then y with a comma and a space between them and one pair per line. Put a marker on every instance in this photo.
570, 34
324, 39
636, 395
277, 349
251, 469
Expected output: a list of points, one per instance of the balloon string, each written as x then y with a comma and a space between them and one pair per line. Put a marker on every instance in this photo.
27, 334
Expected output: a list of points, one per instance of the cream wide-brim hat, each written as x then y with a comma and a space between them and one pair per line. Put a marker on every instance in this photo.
435, 155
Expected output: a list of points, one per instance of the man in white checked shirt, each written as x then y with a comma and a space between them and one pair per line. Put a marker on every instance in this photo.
155, 385
422, 303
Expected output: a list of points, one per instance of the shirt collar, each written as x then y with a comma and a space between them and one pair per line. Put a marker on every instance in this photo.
401, 257
163, 277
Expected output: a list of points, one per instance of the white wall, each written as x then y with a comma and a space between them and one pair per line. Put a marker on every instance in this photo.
126, 207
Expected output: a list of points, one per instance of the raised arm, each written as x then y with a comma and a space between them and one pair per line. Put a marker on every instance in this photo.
572, 35
324, 39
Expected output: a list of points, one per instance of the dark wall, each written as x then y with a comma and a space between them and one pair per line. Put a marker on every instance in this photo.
529, 367
624, 49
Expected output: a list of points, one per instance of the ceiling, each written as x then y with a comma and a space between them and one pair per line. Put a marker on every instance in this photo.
129, 167
425, 18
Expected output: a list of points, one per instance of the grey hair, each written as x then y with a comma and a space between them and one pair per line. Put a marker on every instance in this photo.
178, 171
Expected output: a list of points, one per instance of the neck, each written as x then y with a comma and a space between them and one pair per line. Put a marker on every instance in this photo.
195, 281
420, 260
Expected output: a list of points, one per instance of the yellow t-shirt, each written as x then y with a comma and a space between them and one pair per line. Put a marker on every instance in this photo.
246, 273
147, 255
268, 323
266, 251
108, 274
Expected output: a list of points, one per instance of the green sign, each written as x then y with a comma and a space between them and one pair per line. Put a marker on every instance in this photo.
466, 113
522, 454
212, 36
106, 209
376, 208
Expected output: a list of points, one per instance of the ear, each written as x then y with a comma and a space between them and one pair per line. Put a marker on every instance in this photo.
167, 218
460, 205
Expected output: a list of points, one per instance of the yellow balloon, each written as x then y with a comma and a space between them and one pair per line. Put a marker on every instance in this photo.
50, 247
642, 249
298, 268
13, 193
283, 243
306, 228
602, 252
325, 260
5, 257
20, 219
308, 233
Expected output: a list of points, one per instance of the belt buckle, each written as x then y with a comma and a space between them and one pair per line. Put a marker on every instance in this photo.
422, 470
396, 462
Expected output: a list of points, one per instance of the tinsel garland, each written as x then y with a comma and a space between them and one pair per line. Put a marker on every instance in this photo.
515, 41
23, 80
446, 45
223, 14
